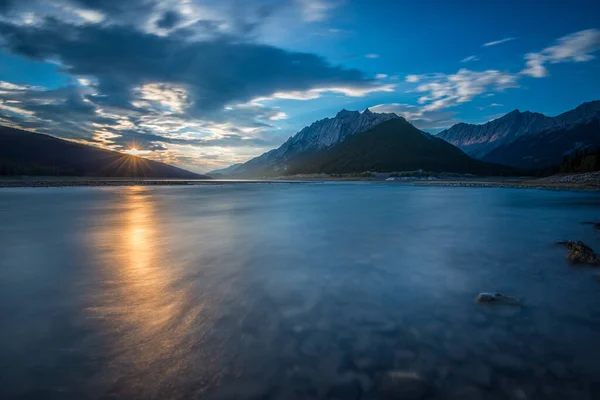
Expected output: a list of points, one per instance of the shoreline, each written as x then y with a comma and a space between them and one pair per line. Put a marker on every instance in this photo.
62, 183
534, 184
565, 182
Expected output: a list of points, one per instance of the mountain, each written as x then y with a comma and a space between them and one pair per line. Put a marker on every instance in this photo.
393, 145
479, 140
317, 137
224, 171
29, 153
547, 148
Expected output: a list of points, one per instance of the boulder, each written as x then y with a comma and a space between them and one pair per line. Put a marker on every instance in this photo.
580, 253
497, 298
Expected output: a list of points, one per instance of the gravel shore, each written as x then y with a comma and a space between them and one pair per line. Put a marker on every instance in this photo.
586, 182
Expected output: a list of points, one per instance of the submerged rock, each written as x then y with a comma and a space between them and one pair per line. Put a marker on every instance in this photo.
596, 224
580, 253
497, 298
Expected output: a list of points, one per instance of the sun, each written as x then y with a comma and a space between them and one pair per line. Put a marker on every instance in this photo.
134, 151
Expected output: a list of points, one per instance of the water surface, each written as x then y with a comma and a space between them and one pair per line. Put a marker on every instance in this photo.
255, 291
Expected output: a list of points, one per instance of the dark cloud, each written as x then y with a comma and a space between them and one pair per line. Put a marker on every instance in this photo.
117, 6
168, 20
216, 72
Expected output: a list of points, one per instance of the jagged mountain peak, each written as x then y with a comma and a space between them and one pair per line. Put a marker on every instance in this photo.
319, 136
343, 113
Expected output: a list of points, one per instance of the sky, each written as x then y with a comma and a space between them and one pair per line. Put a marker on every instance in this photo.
203, 84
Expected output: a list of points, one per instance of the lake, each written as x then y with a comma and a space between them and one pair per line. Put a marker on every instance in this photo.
296, 291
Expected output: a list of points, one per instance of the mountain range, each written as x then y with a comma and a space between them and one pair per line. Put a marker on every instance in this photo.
528, 139
30, 153
353, 142
357, 142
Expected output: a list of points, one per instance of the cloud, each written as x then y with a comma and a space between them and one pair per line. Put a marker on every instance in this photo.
278, 115
195, 18
496, 42
576, 47
315, 10
351, 91
381, 76
418, 116
412, 78
90, 15
443, 91
215, 72
470, 58
490, 106
371, 55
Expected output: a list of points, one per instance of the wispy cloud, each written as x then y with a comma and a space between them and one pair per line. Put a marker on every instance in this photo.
371, 55
443, 91
316, 10
496, 42
576, 47
349, 90
381, 76
490, 106
470, 58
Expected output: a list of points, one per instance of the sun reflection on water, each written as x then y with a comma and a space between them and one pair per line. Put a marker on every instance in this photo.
148, 317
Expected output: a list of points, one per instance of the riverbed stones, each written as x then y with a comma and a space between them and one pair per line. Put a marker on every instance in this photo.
508, 362
466, 392
405, 355
404, 385
558, 369
580, 253
476, 373
455, 351
346, 389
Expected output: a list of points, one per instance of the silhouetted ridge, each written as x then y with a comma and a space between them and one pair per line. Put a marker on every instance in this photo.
29, 153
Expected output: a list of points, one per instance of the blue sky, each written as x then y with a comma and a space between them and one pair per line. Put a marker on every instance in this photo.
206, 83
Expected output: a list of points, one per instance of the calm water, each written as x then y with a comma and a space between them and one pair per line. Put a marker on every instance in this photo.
256, 291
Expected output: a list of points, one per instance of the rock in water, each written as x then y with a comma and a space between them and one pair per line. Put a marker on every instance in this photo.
596, 224
580, 253
497, 298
